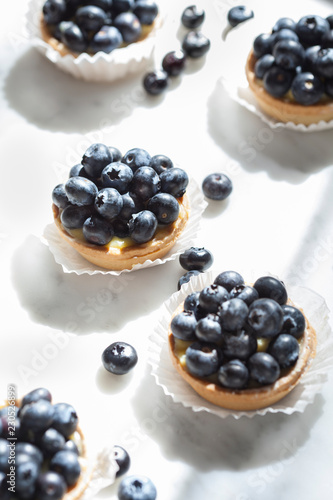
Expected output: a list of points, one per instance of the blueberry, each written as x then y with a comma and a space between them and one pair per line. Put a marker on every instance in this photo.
142, 226
65, 419
30, 450
131, 205
174, 181
37, 416
183, 325
263, 64
217, 186
244, 292
191, 302
97, 230
233, 375
288, 54
165, 207
293, 321
26, 475
146, 11
50, 486
90, 18
285, 349
136, 158
155, 82
285, 34
327, 40
239, 14
72, 36
115, 154
271, 288
137, 488
80, 191
108, 203
284, 23
192, 17
66, 464
186, 278
129, 26
145, 183
307, 89
73, 217
233, 314
117, 175
329, 19
122, 5
203, 359
211, 297
174, 62
59, 196
263, 44
4, 455
198, 258
323, 65
51, 442
265, 317
310, 29
277, 81
96, 157
107, 39
208, 329
239, 346
119, 358
71, 446
4, 492
160, 163
311, 55
54, 11
229, 279
106, 5
263, 368
77, 171
195, 44
122, 459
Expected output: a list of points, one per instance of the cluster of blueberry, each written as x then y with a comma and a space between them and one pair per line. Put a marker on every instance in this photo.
98, 25
108, 194
45, 457
242, 335
195, 44
297, 56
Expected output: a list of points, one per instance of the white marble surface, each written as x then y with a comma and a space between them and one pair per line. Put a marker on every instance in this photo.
278, 220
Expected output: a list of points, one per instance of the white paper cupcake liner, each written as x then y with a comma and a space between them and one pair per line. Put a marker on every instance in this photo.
72, 262
100, 67
316, 311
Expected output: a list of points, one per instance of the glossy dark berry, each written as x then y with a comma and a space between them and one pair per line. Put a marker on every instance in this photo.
26, 474
229, 279
80, 191
263, 44
137, 488
51, 442
122, 459
211, 297
239, 346
284, 23
183, 325
146, 11
208, 329
198, 258
90, 18
277, 81
4, 455
122, 5
142, 226
59, 196
310, 29
263, 368
174, 181
307, 89
239, 14
165, 207
285, 349
263, 64
77, 170
33, 452
244, 292
233, 375
160, 163
50, 486
217, 186
106, 5
195, 44
265, 317
284, 35
323, 65
192, 17
131, 205
107, 39
271, 288
327, 39
115, 153
73, 217
288, 54
233, 314
54, 11
4, 492
37, 416
203, 359
36, 395
67, 465
311, 55
119, 358
65, 419
145, 183
186, 278
117, 175
71, 446
97, 230
96, 157
156, 82
72, 36
174, 62
191, 302
293, 321
129, 26
108, 203
136, 158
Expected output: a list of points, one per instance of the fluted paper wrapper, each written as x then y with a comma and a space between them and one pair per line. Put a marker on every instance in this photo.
100, 67
72, 262
316, 311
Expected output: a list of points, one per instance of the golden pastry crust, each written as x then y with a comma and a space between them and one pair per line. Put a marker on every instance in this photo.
125, 258
284, 109
249, 399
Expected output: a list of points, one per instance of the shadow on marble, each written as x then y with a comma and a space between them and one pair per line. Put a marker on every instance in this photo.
284, 154
108, 383
54, 100
209, 443
85, 304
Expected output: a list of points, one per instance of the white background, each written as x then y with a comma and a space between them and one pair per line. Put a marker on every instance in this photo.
278, 220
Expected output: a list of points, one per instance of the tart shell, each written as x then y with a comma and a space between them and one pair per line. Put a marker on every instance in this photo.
249, 399
284, 109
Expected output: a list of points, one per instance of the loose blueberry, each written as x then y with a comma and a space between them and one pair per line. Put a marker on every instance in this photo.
36, 395
217, 186
174, 62
174, 181
288, 54
277, 81
97, 230
211, 297
119, 358
192, 17
96, 157
51, 442
37, 416
310, 29
307, 89
233, 314
136, 158
160, 163
263, 368
72, 36
142, 226
183, 325
117, 175
208, 329
67, 465
65, 419
239, 14
186, 278
54, 11
271, 288
73, 217
80, 191
284, 23
108, 203
122, 458
165, 207
191, 302
229, 279
129, 26
107, 39
263, 44
265, 317
145, 183
196, 258
263, 64
155, 82
203, 359
195, 44
233, 375
90, 18
137, 488
323, 65
240, 346
146, 11
293, 321
50, 486
244, 292
59, 196
285, 349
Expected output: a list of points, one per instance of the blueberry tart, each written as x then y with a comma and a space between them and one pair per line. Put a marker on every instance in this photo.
121, 210
239, 346
290, 70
